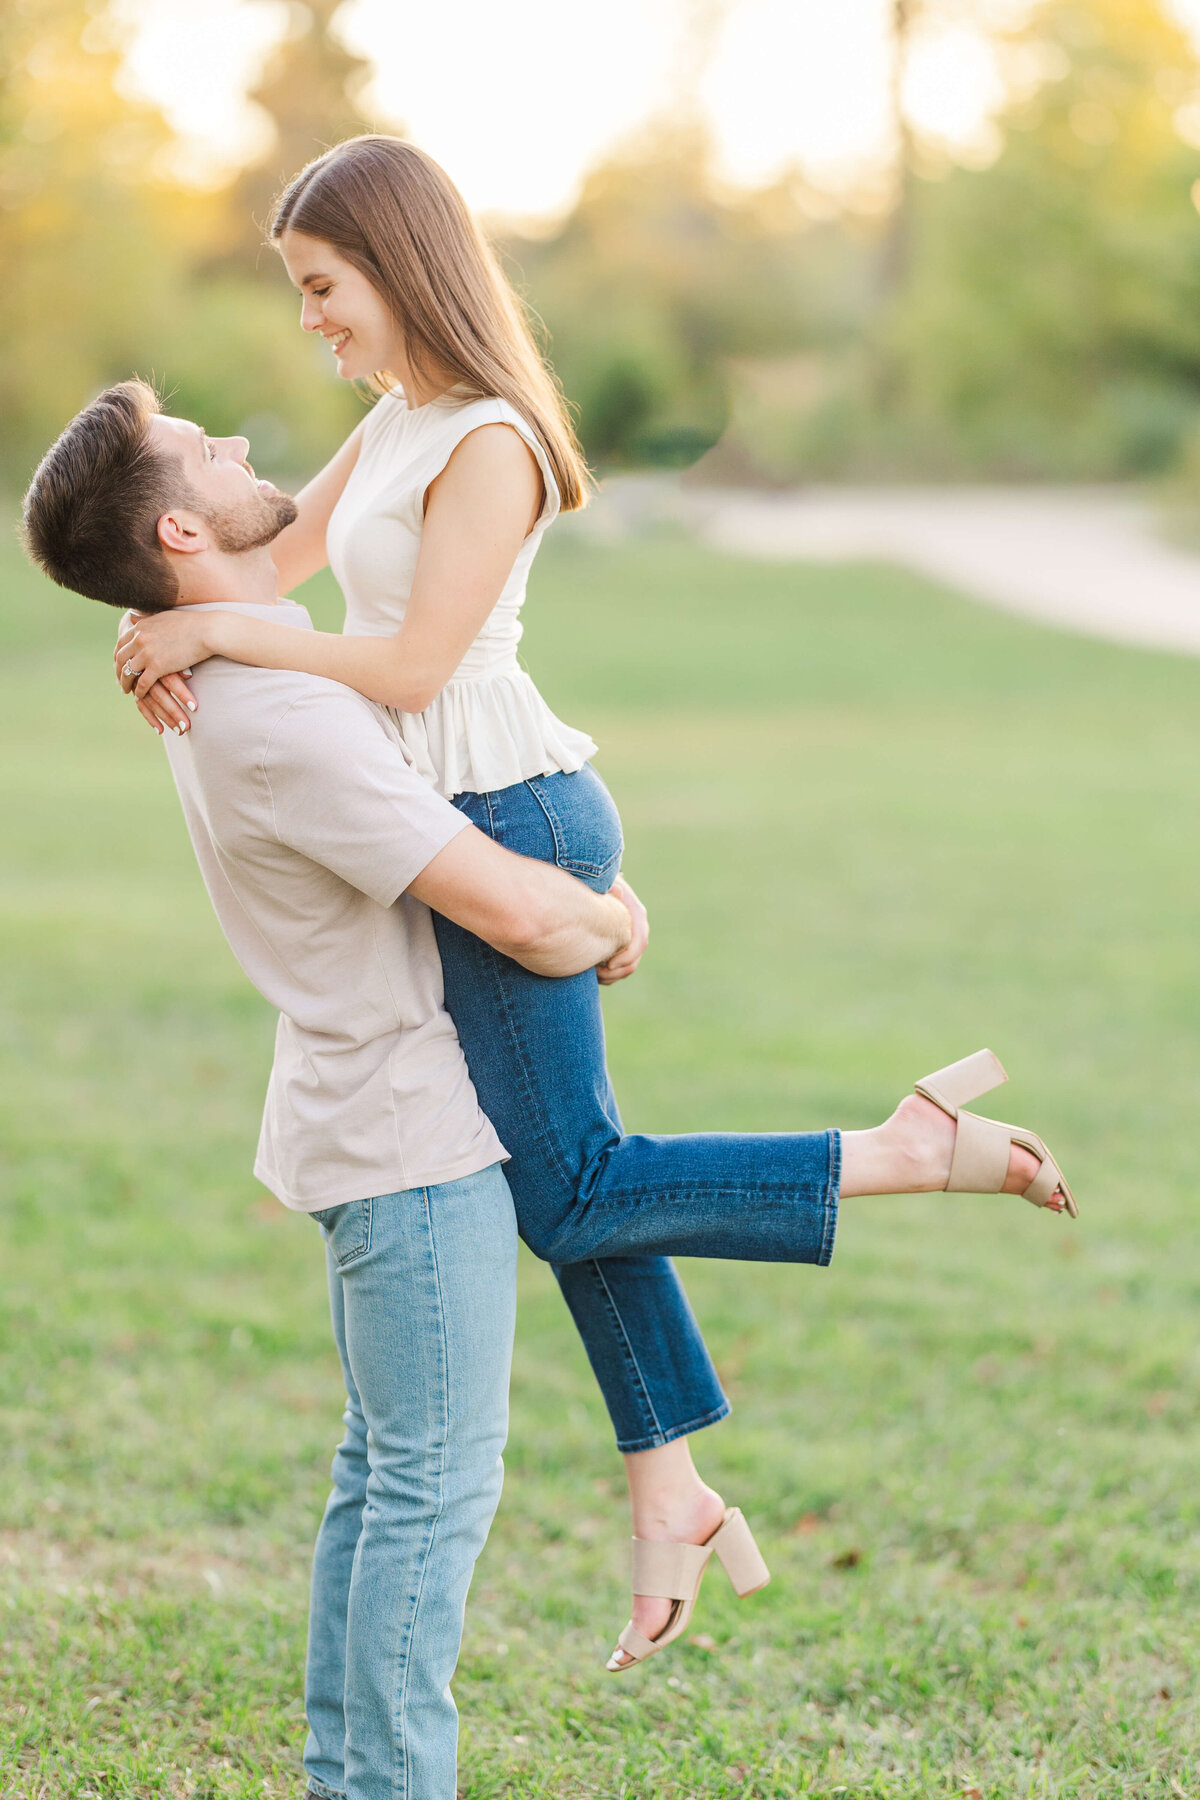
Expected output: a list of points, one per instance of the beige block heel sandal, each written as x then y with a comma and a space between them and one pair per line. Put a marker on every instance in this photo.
981, 1146
675, 1571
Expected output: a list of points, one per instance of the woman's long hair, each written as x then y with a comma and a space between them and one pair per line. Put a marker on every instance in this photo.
398, 218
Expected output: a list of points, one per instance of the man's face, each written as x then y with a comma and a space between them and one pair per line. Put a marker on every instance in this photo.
241, 512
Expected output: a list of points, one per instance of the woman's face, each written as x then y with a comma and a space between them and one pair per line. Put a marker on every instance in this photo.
340, 303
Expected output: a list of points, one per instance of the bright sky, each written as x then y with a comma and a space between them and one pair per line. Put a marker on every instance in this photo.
516, 100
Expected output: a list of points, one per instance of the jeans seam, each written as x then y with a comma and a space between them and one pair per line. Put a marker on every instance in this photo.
572, 865
361, 1249
551, 818
629, 1350
400, 1735
723, 1191
495, 963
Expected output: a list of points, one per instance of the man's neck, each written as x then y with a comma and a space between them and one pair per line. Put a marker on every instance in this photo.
249, 578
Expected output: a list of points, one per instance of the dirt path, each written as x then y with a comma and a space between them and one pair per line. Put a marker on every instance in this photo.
1086, 559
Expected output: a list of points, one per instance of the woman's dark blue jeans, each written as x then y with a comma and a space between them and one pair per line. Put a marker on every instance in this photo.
608, 1210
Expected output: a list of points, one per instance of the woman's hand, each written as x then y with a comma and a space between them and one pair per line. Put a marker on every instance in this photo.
159, 644
622, 965
148, 665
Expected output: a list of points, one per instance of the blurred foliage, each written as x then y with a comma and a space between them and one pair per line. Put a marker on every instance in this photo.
310, 91
1051, 320
659, 277
1042, 321
111, 266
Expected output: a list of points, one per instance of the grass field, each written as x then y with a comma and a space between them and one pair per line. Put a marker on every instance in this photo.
875, 827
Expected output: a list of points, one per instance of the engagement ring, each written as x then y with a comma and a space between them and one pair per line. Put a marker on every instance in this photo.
129, 671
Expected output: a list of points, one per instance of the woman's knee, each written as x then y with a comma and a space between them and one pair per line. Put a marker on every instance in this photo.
561, 1236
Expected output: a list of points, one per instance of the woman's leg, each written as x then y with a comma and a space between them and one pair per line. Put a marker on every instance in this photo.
595, 1202
535, 1049
536, 1052
428, 1299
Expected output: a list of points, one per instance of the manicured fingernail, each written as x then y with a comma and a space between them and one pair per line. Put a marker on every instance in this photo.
178, 730
191, 706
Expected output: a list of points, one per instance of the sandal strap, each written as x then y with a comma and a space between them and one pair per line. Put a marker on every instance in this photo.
668, 1571
634, 1644
1045, 1183
961, 1082
980, 1161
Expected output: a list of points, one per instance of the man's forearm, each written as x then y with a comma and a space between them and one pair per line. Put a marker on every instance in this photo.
539, 915
580, 930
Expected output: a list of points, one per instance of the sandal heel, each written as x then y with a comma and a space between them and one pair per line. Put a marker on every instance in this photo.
739, 1555
674, 1571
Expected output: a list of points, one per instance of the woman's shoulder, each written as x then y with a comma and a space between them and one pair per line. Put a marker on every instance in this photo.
469, 415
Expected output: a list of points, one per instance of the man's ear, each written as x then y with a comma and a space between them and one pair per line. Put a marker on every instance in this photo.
181, 531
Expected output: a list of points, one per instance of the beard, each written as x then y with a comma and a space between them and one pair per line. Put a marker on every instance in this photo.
236, 529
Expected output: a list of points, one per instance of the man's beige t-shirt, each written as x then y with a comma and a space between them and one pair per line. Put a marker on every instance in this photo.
309, 824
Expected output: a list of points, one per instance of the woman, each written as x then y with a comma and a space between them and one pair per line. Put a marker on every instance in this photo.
430, 516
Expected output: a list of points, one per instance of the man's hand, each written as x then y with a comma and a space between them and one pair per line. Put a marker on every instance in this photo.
622, 965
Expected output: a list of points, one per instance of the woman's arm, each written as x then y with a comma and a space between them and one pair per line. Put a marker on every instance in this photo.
479, 511
299, 550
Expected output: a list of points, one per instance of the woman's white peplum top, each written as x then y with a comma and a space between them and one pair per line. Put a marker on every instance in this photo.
489, 727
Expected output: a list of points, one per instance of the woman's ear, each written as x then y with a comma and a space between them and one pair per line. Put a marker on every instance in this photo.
175, 533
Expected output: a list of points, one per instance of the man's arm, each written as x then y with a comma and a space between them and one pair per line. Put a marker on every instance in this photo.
539, 915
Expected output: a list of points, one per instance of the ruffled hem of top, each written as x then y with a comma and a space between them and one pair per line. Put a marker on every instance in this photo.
489, 733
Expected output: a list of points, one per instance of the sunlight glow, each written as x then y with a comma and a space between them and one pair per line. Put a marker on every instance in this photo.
518, 101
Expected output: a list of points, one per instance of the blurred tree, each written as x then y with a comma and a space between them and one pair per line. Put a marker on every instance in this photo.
311, 90
1044, 318
1041, 314
658, 277
1050, 321
87, 248
895, 249
105, 258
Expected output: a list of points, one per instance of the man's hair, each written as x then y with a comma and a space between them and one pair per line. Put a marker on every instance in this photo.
92, 510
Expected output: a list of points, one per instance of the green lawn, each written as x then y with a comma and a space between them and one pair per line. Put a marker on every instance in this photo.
875, 827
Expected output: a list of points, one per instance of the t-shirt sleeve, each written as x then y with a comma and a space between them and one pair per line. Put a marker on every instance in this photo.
343, 793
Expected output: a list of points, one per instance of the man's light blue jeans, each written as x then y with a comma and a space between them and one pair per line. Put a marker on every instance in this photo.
422, 1288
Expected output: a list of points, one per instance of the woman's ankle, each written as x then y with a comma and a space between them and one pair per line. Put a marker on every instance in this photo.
666, 1494
909, 1153
682, 1513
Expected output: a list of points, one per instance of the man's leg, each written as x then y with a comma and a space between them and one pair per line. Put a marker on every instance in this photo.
428, 1286
333, 1563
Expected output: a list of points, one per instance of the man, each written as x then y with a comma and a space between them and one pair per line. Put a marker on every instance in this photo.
321, 850
371, 1122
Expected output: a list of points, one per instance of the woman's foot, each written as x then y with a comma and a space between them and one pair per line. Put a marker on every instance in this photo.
671, 1505
910, 1153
